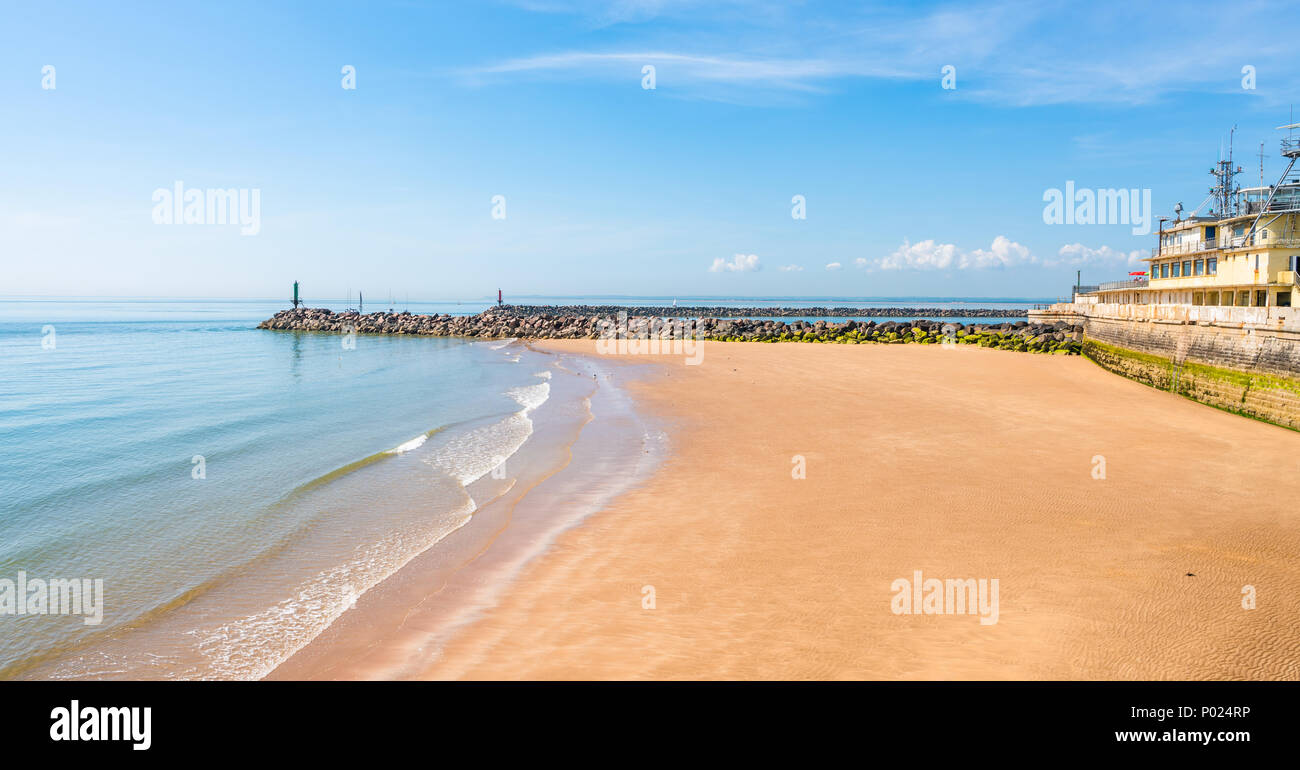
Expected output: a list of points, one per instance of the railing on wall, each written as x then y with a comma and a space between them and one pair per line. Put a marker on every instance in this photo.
1223, 242
1186, 247
1272, 317
1133, 283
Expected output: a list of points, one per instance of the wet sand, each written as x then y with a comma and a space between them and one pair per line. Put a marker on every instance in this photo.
962, 463
590, 444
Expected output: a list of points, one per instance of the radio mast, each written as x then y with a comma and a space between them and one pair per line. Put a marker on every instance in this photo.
1224, 193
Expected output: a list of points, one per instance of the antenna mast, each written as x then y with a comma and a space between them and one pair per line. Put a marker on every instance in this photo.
1223, 192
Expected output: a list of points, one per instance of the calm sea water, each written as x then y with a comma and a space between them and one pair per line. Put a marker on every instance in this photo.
236, 488
104, 429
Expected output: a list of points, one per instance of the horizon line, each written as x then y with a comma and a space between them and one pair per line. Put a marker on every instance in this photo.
716, 297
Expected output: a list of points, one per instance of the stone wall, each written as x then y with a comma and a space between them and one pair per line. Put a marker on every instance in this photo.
1248, 369
1243, 348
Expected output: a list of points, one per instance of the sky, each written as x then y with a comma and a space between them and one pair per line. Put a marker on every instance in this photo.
785, 149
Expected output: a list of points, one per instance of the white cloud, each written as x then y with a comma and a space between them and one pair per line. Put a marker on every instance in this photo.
1003, 253
926, 255
740, 263
790, 269
1078, 254
931, 255
834, 266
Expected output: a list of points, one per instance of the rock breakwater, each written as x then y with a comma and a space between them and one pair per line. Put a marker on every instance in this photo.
718, 312
564, 322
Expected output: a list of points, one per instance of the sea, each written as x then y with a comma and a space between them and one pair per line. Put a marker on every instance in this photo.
236, 490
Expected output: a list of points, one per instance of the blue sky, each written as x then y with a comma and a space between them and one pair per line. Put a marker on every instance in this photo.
609, 187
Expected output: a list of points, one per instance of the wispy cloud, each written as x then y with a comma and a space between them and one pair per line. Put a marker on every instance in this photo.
1004, 51
689, 73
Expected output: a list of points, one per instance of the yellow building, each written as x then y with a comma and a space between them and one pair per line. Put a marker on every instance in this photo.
1247, 256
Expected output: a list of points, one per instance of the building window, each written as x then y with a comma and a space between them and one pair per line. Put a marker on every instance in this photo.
1155, 269
1209, 233
1175, 273
1212, 266
1187, 269
1164, 270
1284, 299
1200, 267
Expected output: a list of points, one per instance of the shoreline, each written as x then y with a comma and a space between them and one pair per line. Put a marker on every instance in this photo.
573, 456
363, 518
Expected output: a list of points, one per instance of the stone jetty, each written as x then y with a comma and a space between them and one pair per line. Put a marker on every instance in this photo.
564, 322
665, 311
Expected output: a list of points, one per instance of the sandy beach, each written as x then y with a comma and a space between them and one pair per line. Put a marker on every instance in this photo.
961, 463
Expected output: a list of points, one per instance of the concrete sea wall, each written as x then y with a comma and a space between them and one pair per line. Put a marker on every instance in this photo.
1252, 369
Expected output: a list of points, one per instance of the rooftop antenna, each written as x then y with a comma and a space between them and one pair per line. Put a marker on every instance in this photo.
1223, 192
1290, 149
1261, 164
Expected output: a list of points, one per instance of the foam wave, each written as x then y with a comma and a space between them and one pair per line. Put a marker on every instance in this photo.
414, 443
475, 453
239, 649
531, 396
251, 647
